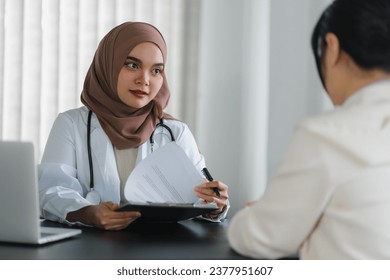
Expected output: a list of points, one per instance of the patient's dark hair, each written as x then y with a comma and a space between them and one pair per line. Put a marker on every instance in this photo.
363, 30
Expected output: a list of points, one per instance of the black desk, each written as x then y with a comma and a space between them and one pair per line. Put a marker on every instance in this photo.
187, 240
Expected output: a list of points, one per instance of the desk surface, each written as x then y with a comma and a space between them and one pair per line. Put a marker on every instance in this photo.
186, 240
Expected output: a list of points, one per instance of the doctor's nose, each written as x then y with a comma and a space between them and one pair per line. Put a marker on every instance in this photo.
143, 79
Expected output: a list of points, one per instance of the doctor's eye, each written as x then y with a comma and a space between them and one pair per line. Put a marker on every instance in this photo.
132, 65
157, 71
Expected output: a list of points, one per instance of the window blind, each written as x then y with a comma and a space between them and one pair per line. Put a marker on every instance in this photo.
46, 47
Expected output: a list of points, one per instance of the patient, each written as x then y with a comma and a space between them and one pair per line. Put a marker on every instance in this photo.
330, 198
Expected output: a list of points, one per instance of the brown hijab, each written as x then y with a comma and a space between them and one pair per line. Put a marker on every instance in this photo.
127, 127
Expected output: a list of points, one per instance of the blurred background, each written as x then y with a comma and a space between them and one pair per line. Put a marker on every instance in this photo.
241, 73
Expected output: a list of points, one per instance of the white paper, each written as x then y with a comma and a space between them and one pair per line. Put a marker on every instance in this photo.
165, 176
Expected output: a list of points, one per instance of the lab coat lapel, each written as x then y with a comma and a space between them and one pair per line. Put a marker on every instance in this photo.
107, 179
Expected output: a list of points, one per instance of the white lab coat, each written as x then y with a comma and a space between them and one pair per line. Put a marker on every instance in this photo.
64, 169
330, 199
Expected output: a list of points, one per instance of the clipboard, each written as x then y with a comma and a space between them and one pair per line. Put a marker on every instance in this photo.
167, 212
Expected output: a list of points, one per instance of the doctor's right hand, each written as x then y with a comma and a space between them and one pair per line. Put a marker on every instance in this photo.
103, 216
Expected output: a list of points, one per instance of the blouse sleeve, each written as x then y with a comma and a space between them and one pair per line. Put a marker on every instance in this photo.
279, 222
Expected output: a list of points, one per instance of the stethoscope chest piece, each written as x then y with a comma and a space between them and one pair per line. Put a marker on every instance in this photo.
93, 197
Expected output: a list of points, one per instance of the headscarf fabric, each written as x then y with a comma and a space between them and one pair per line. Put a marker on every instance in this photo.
126, 127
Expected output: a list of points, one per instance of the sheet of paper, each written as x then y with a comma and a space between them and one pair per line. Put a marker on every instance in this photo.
165, 176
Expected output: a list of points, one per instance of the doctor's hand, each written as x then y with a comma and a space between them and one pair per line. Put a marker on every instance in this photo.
104, 216
208, 192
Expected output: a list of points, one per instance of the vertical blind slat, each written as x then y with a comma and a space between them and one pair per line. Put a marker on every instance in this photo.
50, 68
125, 11
176, 50
2, 43
13, 50
86, 42
106, 18
144, 11
68, 56
31, 71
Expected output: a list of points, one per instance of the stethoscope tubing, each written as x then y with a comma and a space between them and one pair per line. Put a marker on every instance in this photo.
91, 182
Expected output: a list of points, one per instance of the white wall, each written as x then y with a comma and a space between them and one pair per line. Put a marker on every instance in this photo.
233, 94
257, 79
295, 89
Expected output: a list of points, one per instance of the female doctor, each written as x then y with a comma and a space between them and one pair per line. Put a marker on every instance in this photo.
92, 150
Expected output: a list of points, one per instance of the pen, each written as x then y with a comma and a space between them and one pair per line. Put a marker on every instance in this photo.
210, 178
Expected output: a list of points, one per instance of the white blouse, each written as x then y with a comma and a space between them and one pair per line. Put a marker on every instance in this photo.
125, 161
330, 198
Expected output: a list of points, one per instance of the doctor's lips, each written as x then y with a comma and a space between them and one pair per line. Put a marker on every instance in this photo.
139, 93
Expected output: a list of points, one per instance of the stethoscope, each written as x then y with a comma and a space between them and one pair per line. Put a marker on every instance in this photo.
93, 196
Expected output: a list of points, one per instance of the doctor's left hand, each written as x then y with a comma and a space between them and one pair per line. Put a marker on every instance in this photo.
104, 216
206, 192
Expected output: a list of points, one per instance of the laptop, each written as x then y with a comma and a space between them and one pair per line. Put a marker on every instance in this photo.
19, 202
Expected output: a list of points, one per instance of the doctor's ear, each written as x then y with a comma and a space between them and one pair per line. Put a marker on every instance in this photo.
332, 50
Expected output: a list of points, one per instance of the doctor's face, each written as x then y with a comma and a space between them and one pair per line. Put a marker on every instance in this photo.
141, 77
